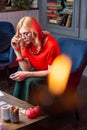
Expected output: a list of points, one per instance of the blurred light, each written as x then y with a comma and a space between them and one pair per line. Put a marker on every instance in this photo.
58, 74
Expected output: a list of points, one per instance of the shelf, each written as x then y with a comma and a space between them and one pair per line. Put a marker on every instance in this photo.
10, 9
59, 13
62, 23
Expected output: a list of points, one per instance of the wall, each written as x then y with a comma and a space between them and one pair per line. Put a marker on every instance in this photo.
15, 16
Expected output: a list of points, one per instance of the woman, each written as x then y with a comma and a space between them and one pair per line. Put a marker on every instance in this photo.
35, 50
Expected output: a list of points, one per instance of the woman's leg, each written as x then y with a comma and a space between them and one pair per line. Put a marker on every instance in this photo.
22, 89
19, 90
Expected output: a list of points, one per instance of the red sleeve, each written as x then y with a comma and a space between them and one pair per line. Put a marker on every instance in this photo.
54, 51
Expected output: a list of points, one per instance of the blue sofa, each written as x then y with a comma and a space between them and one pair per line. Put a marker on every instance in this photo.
7, 54
77, 51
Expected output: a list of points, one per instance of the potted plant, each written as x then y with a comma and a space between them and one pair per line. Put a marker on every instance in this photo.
20, 4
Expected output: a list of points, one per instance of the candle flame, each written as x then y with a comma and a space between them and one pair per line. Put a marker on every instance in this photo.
59, 74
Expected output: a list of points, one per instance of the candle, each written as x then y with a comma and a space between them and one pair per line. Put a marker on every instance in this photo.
5, 113
14, 114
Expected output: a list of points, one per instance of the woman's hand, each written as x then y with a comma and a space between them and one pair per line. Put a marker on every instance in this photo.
18, 76
15, 42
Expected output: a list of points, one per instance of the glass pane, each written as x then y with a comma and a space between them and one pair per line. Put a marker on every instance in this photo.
59, 12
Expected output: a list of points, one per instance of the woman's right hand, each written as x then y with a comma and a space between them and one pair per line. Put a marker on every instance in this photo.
15, 42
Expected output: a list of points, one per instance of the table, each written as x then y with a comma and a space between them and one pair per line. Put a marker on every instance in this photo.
25, 123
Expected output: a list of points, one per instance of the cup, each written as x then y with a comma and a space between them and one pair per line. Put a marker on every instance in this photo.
14, 114
5, 113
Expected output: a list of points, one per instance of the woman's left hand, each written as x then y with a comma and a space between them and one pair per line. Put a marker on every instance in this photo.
18, 76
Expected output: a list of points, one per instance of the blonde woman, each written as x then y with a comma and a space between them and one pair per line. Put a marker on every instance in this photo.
35, 50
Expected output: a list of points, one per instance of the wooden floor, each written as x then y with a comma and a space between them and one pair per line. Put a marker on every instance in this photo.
65, 121
68, 121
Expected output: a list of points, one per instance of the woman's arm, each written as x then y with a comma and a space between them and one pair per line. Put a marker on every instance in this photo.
23, 62
21, 75
37, 73
42, 73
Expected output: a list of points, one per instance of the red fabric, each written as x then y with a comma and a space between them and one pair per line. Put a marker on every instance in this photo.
20, 59
50, 50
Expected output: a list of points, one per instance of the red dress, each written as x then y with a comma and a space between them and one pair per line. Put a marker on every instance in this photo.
50, 50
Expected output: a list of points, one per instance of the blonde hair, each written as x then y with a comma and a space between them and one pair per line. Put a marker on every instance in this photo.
31, 23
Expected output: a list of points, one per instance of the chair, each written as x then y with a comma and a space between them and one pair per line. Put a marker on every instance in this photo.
7, 54
77, 51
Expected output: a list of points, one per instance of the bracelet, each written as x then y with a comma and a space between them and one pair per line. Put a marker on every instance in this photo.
17, 49
20, 59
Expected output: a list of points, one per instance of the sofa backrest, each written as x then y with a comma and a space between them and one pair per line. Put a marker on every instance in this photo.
7, 31
75, 49
7, 54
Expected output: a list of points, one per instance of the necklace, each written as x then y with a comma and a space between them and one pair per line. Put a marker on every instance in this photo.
35, 53
34, 50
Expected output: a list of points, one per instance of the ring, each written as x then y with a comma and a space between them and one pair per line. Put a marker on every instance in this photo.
12, 75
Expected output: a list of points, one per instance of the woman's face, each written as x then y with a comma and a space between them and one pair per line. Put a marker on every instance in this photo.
26, 35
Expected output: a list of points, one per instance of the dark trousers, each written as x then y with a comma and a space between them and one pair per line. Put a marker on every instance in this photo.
23, 90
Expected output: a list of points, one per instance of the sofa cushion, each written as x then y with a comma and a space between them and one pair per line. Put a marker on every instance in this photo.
5, 57
5, 41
